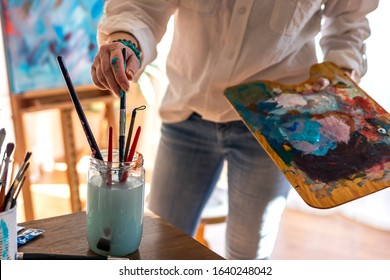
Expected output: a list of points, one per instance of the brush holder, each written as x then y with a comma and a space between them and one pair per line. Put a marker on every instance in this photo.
8, 234
115, 205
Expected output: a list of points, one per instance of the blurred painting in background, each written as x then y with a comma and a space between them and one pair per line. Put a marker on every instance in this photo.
37, 31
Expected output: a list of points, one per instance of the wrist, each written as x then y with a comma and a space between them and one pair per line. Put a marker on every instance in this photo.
124, 36
131, 45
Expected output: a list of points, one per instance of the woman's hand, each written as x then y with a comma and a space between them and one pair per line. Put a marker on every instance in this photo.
322, 83
108, 71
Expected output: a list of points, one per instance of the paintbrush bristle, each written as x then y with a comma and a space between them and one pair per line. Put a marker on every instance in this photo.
27, 156
9, 149
2, 136
2, 133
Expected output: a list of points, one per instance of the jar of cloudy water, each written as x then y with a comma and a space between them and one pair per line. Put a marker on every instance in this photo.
115, 205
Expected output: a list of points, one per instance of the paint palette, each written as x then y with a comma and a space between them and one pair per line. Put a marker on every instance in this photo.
333, 145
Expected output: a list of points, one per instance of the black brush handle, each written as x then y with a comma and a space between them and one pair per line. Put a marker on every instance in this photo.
44, 256
76, 102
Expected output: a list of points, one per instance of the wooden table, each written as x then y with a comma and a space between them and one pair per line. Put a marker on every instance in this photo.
160, 241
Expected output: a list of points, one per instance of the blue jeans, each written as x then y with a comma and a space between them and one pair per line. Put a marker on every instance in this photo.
188, 164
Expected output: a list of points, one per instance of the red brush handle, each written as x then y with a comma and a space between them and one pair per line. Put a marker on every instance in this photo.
134, 145
109, 155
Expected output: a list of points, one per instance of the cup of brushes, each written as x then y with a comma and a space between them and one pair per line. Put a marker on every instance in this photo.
8, 197
115, 184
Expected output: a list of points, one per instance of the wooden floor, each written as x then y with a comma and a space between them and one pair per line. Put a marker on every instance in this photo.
306, 236
329, 237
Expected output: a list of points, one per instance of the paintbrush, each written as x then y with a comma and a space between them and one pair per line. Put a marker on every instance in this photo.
122, 116
17, 183
2, 137
134, 145
21, 170
17, 180
19, 188
8, 151
2, 161
6, 160
109, 155
44, 256
130, 132
109, 152
132, 151
79, 109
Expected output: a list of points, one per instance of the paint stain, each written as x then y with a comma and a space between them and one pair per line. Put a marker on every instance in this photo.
4, 240
355, 157
114, 64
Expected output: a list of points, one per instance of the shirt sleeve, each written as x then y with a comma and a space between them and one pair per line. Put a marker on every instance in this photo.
145, 19
344, 31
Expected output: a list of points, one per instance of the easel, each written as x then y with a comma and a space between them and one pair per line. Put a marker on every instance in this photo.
24, 101
55, 99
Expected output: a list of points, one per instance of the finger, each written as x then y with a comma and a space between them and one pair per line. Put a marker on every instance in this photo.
109, 75
117, 68
100, 75
96, 73
132, 67
352, 74
321, 84
103, 73
95, 80
103, 70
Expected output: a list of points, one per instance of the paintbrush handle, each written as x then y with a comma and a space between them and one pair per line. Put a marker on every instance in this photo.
2, 195
109, 152
44, 256
76, 102
134, 145
109, 156
122, 126
4, 175
132, 151
130, 133
131, 127
122, 116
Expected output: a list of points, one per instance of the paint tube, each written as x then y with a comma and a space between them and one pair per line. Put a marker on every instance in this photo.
28, 235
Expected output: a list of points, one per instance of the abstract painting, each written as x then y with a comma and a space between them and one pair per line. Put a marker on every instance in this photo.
332, 145
35, 32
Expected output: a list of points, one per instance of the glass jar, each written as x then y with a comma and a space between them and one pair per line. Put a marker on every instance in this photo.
115, 205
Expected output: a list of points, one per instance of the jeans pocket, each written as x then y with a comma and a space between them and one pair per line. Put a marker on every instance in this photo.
289, 16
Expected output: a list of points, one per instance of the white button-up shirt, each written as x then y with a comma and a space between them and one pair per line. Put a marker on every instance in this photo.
221, 43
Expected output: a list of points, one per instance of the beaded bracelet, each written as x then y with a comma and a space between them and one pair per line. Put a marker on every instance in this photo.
132, 46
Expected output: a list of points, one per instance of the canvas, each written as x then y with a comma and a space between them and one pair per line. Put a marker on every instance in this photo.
333, 145
35, 32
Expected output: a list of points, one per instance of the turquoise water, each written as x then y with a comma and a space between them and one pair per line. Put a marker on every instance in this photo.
114, 216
